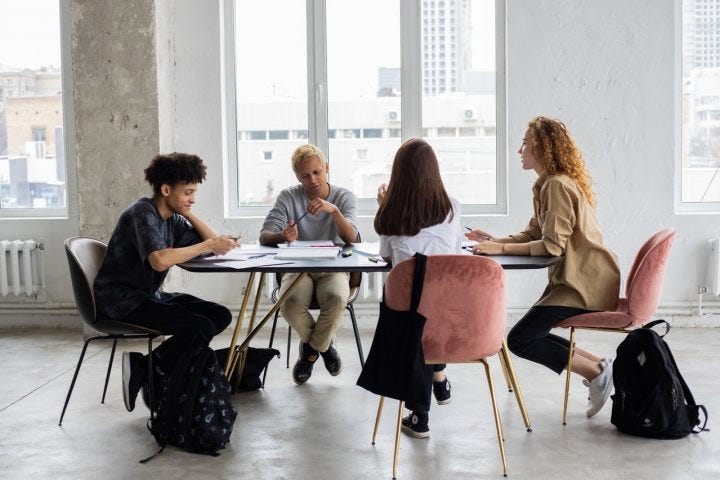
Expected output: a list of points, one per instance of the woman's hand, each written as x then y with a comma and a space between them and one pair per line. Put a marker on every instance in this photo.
479, 236
382, 190
487, 247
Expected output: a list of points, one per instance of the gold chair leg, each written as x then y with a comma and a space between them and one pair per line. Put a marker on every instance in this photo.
498, 424
503, 366
397, 439
505, 355
377, 418
238, 326
571, 352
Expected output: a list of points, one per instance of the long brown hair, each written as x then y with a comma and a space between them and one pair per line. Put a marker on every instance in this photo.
415, 197
553, 146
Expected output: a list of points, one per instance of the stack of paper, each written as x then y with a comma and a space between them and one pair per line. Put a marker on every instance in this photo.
309, 253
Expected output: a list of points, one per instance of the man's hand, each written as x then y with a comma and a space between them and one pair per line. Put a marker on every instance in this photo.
319, 205
290, 233
222, 244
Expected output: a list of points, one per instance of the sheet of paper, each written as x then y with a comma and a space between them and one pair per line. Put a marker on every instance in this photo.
311, 253
245, 264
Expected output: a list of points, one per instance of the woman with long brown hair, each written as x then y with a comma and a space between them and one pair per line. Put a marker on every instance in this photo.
564, 224
416, 215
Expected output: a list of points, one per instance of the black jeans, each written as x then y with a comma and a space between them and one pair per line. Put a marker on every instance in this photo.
531, 339
190, 321
426, 408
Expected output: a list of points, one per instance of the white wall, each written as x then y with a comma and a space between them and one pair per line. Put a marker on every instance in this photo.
605, 68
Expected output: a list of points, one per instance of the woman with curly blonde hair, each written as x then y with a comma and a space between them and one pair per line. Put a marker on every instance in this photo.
564, 224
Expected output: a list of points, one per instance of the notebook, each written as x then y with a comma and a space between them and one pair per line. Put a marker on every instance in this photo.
309, 253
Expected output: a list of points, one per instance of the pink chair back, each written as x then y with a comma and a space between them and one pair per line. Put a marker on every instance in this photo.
646, 276
463, 300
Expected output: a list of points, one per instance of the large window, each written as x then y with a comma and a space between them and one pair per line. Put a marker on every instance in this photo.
700, 106
357, 78
32, 153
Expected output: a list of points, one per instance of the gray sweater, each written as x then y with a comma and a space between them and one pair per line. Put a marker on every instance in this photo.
292, 203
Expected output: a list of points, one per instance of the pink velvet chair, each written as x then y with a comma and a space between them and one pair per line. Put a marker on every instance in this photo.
463, 300
642, 294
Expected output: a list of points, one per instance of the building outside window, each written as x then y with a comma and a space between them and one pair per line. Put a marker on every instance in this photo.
700, 107
32, 153
357, 109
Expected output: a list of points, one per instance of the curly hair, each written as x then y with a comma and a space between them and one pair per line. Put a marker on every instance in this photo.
416, 197
174, 168
553, 146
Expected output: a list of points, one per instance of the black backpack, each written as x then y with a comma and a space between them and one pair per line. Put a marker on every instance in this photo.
194, 411
651, 397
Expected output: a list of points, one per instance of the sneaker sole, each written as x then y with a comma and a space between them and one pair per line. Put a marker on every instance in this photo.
443, 402
126, 370
415, 434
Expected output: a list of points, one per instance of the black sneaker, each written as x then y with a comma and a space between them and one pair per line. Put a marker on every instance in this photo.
416, 424
332, 361
303, 367
133, 375
442, 391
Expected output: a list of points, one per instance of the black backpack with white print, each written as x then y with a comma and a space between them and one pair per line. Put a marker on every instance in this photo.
194, 411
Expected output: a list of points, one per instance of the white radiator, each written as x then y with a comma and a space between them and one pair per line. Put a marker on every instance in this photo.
714, 267
21, 267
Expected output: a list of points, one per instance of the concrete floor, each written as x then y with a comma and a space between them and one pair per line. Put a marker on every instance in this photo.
322, 430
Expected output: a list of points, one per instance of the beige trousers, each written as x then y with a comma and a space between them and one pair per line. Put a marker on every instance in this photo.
331, 291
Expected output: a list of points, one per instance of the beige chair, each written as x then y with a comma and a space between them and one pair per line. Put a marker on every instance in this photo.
85, 255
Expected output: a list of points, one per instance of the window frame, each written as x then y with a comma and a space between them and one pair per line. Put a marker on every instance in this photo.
682, 207
410, 101
68, 117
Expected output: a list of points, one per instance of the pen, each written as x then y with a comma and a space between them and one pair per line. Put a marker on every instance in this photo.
259, 255
468, 228
296, 221
374, 259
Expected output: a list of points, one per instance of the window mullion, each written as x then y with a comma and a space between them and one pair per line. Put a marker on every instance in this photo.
317, 74
411, 76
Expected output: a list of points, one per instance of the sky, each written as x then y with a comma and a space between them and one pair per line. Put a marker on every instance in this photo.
362, 36
29, 33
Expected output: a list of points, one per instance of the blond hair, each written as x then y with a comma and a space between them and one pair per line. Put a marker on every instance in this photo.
303, 152
553, 146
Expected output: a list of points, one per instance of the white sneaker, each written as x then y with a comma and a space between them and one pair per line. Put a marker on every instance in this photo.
600, 388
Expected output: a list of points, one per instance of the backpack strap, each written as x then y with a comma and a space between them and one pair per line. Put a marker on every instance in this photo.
658, 322
692, 407
418, 280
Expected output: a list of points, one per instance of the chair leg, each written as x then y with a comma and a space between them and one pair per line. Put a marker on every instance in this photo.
107, 376
506, 375
377, 418
397, 439
272, 337
515, 385
351, 309
498, 424
571, 352
287, 355
72, 383
151, 380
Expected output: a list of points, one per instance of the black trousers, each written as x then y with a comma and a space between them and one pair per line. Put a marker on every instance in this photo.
190, 321
426, 408
531, 339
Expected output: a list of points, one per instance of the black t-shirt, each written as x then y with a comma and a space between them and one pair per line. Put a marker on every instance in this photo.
126, 279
